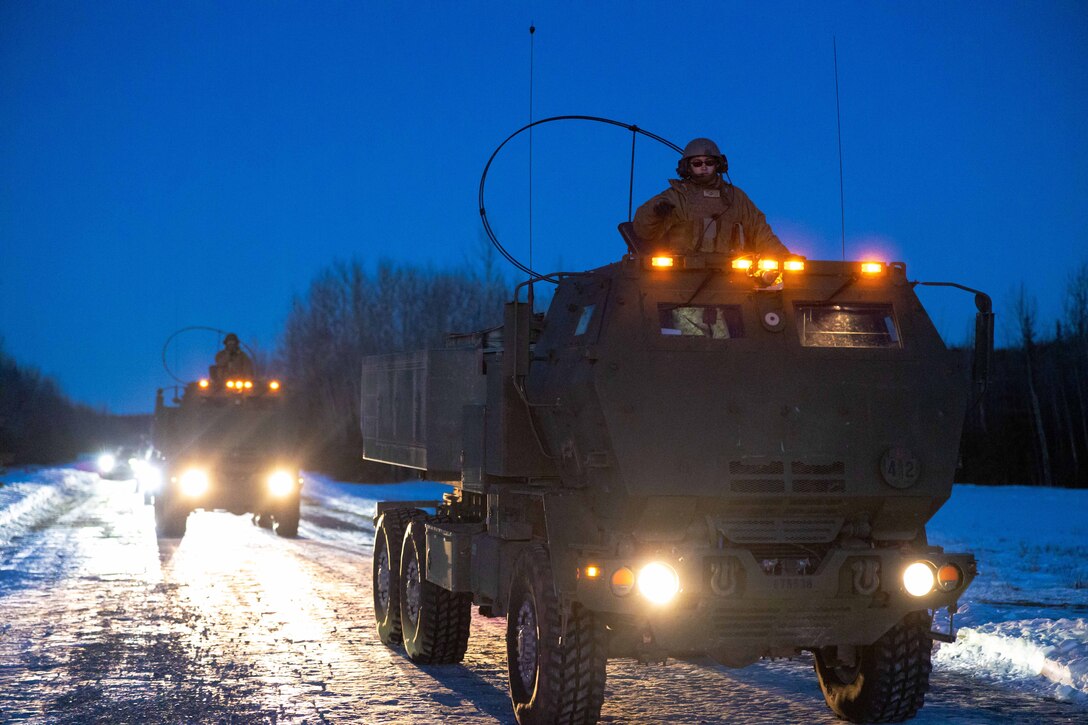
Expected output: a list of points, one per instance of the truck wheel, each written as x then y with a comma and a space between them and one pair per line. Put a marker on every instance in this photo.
557, 674
264, 520
435, 622
287, 519
888, 682
388, 540
169, 519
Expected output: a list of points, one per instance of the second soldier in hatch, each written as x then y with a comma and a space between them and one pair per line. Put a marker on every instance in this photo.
701, 212
232, 361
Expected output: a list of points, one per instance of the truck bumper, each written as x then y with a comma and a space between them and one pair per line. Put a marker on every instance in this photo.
731, 603
237, 491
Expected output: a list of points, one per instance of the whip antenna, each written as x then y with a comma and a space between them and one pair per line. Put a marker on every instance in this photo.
631, 186
838, 123
532, 37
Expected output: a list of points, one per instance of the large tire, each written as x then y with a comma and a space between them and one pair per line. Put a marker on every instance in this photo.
170, 519
388, 540
287, 519
556, 675
890, 679
434, 621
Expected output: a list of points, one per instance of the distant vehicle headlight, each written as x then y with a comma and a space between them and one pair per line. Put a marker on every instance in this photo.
281, 483
658, 582
106, 462
918, 579
194, 482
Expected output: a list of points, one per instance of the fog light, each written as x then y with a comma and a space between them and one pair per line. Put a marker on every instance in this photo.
194, 483
281, 483
918, 579
623, 581
658, 582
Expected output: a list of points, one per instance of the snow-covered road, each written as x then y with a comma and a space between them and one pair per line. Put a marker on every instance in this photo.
103, 623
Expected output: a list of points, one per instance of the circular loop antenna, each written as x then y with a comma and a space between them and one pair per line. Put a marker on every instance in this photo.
216, 330
534, 276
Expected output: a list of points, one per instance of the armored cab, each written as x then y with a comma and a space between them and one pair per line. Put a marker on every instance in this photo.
685, 455
230, 445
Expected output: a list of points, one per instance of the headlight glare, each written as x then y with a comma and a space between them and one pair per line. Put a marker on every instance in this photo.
281, 483
106, 462
658, 582
919, 578
194, 482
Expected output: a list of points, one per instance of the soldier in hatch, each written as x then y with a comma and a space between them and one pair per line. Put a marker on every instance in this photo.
231, 361
700, 212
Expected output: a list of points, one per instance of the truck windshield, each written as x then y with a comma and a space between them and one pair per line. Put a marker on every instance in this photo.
851, 325
719, 322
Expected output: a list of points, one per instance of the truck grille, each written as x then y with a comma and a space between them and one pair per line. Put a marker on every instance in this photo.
762, 477
800, 628
786, 531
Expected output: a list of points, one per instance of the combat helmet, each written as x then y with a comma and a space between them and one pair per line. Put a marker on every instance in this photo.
700, 147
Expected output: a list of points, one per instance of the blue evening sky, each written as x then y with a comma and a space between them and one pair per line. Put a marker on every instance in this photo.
165, 164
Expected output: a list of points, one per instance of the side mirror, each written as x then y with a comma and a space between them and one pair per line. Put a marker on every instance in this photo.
984, 340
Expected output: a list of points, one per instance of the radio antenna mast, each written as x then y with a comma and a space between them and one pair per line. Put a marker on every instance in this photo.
532, 36
838, 123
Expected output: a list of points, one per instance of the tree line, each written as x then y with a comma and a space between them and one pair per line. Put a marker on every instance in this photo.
39, 424
1031, 426
349, 313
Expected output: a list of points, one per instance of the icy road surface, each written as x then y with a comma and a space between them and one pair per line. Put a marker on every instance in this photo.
99, 622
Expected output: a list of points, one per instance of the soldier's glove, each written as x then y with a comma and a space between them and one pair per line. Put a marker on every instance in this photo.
663, 208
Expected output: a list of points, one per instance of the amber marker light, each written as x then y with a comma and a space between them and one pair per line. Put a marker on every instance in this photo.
744, 263
662, 262
248, 384
768, 265
949, 577
872, 267
592, 571
623, 581
794, 265
204, 383
230, 383
274, 385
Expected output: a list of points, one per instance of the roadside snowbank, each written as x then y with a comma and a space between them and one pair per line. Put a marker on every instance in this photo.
1022, 621
29, 496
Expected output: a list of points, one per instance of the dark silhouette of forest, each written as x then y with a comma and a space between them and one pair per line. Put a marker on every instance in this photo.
39, 424
1030, 427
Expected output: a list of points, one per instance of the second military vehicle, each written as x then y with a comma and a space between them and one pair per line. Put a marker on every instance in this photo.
685, 455
227, 444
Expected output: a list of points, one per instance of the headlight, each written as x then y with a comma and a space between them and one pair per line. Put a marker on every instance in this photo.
281, 483
658, 582
194, 482
918, 579
106, 462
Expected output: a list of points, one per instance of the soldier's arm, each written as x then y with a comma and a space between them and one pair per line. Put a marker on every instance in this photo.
648, 224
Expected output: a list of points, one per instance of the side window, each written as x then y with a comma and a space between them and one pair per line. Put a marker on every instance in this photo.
847, 325
718, 322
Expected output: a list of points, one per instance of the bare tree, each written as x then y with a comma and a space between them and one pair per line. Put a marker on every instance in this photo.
1025, 310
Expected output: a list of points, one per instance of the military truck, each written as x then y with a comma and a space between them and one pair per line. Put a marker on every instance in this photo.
686, 455
227, 445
